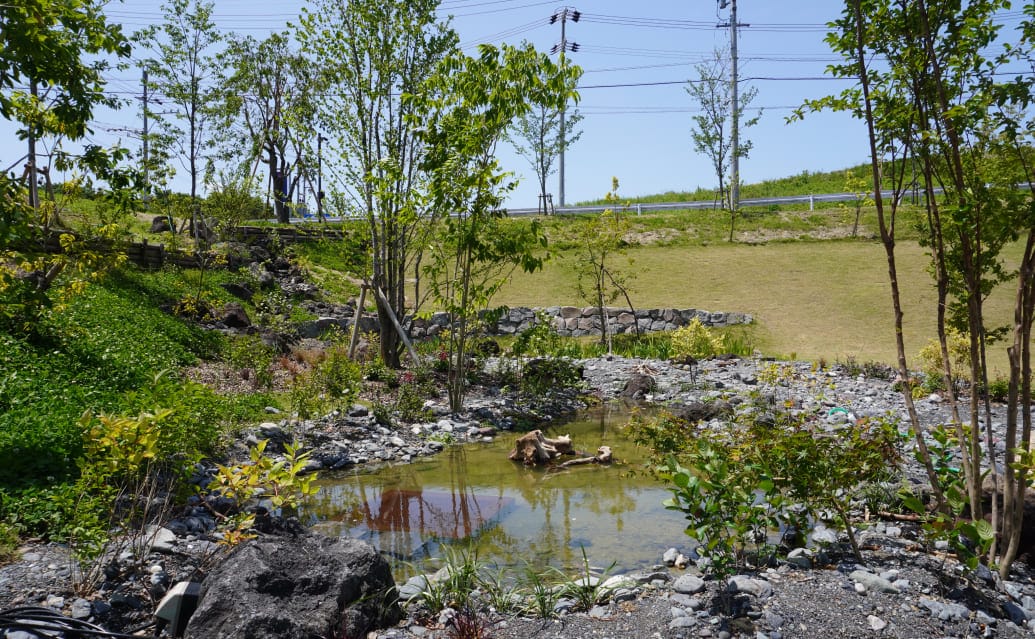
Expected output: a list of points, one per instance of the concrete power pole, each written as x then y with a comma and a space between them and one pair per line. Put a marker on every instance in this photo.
734, 94
34, 194
147, 177
563, 16
735, 128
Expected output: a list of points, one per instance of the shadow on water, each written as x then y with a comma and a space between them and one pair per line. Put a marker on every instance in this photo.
472, 494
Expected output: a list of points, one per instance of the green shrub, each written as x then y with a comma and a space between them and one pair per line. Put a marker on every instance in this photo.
333, 382
538, 340
544, 374
340, 376
415, 387
695, 341
933, 368
998, 389
250, 356
797, 467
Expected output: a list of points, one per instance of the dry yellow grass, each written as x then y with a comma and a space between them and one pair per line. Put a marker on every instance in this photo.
810, 299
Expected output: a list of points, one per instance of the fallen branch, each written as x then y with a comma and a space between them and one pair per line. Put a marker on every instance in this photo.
603, 456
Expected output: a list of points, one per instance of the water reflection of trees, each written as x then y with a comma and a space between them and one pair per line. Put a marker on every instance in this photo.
403, 517
467, 491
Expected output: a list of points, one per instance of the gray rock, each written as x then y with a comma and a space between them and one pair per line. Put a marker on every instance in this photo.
873, 582
688, 584
162, 539
1018, 615
876, 623
824, 536
413, 587
799, 558
758, 588
296, 588
669, 558
682, 622
945, 611
81, 609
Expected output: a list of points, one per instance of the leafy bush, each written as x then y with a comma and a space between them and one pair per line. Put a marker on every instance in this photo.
799, 467
333, 382
544, 374
415, 387
933, 368
251, 358
280, 483
969, 539
538, 340
695, 341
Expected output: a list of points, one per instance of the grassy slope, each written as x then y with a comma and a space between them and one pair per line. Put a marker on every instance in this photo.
811, 299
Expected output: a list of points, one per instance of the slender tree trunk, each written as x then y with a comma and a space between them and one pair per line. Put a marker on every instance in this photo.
887, 232
1018, 407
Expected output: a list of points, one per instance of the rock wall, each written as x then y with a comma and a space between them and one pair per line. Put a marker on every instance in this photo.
569, 321
573, 321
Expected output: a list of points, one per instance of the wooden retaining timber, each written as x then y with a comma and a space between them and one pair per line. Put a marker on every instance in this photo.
288, 235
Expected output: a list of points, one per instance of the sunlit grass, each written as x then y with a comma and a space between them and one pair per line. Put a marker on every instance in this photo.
811, 300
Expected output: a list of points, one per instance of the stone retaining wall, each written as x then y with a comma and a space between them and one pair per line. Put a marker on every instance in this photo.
573, 321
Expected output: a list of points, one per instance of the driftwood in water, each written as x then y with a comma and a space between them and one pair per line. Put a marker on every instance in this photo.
535, 449
603, 456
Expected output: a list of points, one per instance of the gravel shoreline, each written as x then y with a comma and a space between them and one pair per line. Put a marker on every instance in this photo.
901, 591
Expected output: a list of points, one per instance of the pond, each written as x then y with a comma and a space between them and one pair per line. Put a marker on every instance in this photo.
471, 494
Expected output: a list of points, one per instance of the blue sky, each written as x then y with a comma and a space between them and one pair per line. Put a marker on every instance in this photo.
637, 57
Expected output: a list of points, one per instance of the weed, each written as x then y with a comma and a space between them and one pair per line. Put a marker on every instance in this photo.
588, 589
498, 591
468, 624
542, 591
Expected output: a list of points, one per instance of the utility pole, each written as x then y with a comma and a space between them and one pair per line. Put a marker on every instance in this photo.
147, 177
34, 193
319, 176
563, 16
734, 88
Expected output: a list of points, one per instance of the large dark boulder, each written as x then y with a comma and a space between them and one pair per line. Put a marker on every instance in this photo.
160, 224
305, 587
234, 316
694, 412
638, 386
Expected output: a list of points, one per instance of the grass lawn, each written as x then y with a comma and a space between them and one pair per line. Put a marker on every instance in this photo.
810, 299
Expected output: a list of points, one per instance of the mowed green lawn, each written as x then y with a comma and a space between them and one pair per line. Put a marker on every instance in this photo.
811, 300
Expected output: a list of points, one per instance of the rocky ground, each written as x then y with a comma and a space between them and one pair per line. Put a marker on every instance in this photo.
904, 589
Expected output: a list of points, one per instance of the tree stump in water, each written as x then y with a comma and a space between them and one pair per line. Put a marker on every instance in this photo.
535, 449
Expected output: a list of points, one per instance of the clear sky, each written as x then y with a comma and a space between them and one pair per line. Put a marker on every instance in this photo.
637, 57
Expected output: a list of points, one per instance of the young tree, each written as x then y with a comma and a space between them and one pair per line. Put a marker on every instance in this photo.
712, 127
536, 136
181, 73
267, 111
471, 102
599, 280
936, 100
369, 54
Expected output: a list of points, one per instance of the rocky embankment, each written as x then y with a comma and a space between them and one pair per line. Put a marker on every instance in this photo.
905, 588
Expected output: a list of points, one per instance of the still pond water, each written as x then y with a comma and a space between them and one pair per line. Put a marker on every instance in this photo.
512, 515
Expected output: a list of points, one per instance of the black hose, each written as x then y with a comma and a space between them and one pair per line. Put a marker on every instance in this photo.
49, 621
